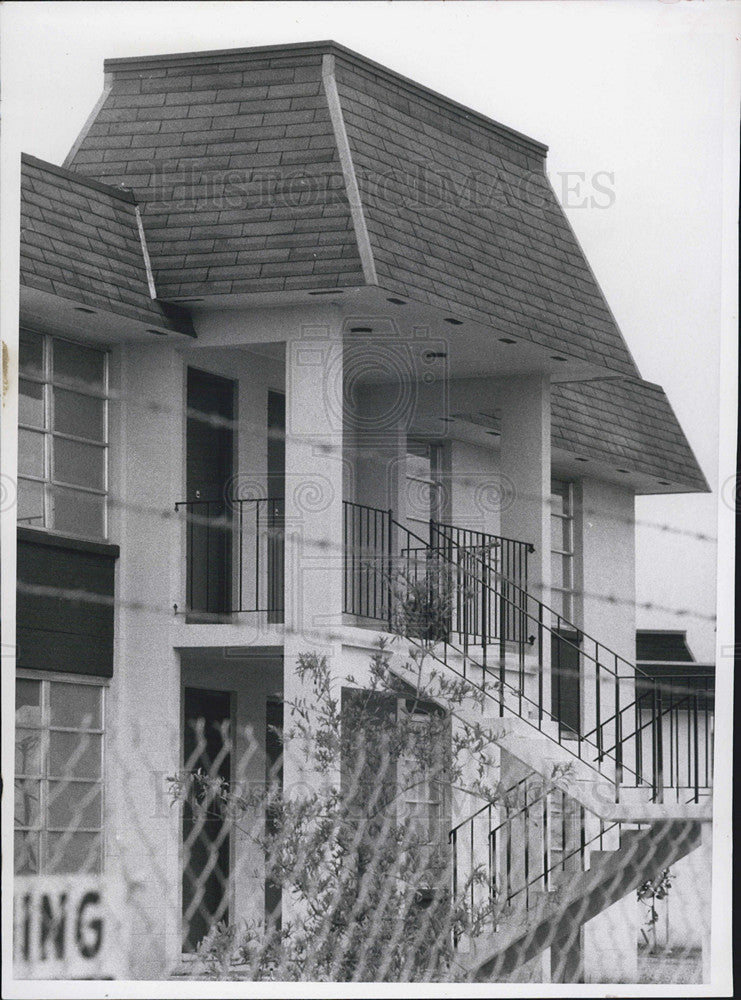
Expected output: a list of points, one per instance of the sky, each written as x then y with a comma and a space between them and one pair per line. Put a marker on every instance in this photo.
638, 97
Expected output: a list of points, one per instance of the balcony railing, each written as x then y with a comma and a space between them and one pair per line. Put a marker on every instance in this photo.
368, 539
383, 559
234, 557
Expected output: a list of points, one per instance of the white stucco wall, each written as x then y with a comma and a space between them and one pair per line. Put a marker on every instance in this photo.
608, 562
474, 487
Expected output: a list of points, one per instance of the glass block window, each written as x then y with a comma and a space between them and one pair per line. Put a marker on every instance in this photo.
62, 436
58, 777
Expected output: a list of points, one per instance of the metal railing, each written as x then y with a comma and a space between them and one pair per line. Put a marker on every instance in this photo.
478, 613
526, 845
379, 550
525, 670
234, 557
669, 728
457, 592
368, 561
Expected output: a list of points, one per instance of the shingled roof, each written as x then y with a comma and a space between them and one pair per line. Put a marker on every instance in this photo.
628, 422
308, 167
80, 240
234, 159
460, 214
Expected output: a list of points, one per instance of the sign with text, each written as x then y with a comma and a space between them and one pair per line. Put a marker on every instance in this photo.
68, 927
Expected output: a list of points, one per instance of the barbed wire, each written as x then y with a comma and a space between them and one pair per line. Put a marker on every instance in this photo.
77, 595
448, 481
330, 548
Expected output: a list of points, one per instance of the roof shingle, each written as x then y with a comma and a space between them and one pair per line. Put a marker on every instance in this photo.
242, 153
458, 210
628, 422
80, 240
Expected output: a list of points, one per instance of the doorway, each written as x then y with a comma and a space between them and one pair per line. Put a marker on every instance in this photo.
566, 682
422, 486
209, 472
206, 841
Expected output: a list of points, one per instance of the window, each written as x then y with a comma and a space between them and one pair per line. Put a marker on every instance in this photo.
420, 773
421, 782
58, 777
562, 548
62, 436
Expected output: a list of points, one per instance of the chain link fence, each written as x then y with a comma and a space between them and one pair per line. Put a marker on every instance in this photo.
365, 830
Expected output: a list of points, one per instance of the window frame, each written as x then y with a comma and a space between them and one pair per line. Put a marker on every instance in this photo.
43, 827
430, 790
48, 482
567, 555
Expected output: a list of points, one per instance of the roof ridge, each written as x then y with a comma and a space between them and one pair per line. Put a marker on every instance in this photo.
123, 194
324, 47
352, 190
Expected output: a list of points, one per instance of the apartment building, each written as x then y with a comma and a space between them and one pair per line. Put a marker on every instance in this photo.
290, 321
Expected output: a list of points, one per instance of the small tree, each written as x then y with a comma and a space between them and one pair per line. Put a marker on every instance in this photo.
363, 857
652, 890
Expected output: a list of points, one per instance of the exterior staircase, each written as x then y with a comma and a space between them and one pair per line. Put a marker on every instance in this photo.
629, 800
531, 925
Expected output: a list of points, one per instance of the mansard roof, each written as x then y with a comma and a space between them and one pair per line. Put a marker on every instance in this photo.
309, 167
629, 423
81, 241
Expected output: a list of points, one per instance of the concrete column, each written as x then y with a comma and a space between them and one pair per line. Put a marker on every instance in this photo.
525, 487
314, 513
313, 543
608, 580
608, 565
144, 744
525, 462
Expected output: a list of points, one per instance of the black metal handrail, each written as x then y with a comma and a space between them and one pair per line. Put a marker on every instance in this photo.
510, 855
485, 620
368, 558
234, 556
374, 542
612, 673
488, 808
520, 856
662, 705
